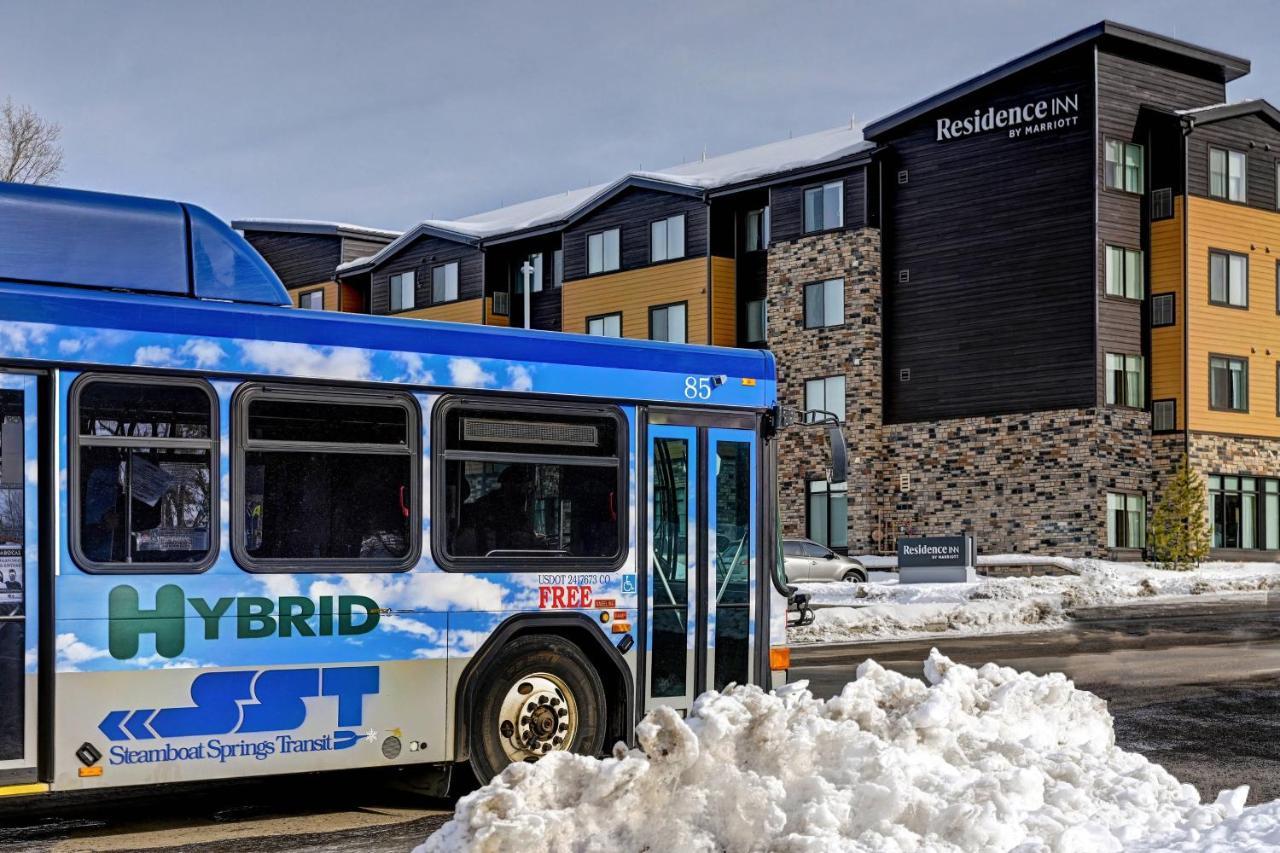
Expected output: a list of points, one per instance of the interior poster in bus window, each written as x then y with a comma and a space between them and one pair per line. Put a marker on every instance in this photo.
17, 486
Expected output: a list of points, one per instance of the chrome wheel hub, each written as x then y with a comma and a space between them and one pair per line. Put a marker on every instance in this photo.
539, 715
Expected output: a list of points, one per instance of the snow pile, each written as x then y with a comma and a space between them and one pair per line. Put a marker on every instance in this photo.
1005, 605
977, 759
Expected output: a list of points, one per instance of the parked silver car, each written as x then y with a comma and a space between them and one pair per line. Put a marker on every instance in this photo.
807, 561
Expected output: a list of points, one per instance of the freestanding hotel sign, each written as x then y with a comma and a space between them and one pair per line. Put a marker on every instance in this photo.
935, 559
1025, 119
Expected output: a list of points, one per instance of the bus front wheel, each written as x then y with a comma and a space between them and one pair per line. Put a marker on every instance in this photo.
539, 695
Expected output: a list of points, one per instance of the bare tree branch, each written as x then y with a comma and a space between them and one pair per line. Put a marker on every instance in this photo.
29, 149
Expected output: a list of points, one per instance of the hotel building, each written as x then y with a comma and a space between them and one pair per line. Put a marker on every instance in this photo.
1028, 296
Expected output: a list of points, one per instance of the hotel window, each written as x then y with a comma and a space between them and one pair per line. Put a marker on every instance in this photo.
828, 516
312, 300
1227, 170
1228, 383
1244, 512
1124, 272
557, 268
824, 395
824, 303
758, 229
1164, 415
756, 322
1228, 279
603, 251
444, 283
824, 207
1123, 170
668, 323
402, 291
1163, 310
666, 239
517, 273
1125, 380
1126, 521
605, 326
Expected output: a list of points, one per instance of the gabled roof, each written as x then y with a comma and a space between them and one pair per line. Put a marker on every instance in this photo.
1222, 112
689, 179
313, 226
1222, 66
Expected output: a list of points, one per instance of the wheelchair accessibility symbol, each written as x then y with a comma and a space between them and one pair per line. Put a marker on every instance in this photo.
628, 584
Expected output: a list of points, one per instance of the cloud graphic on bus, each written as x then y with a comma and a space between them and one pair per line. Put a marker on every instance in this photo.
468, 373
286, 358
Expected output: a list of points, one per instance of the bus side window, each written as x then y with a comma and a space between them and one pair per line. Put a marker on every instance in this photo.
142, 455
529, 485
325, 479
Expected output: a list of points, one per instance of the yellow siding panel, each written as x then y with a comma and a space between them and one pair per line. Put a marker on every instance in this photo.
464, 311
1166, 341
634, 292
1253, 333
493, 319
330, 289
724, 302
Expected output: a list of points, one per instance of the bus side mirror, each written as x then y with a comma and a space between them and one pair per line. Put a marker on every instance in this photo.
839, 453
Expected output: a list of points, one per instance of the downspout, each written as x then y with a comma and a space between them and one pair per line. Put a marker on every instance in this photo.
706, 201
1188, 125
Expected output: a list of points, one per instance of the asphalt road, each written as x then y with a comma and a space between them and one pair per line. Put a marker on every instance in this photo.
1195, 687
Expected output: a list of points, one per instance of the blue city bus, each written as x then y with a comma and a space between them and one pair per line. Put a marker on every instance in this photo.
240, 539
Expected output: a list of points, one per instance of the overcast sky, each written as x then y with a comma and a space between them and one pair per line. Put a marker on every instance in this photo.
386, 113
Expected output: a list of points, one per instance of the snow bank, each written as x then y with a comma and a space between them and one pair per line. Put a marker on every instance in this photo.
887, 609
976, 760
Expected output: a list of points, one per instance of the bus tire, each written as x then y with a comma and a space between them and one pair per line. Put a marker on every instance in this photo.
540, 694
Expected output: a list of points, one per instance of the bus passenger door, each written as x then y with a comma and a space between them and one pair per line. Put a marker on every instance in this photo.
701, 560
19, 576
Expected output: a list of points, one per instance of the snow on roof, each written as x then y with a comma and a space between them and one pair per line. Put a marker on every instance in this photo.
712, 173
518, 217
353, 263
774, 158
737, 167
311, 226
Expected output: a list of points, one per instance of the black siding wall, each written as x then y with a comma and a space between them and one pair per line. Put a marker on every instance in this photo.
298, 258
420, 256
633, 211
995, 237
1125, 85
1250, 135
786, 203
500, 263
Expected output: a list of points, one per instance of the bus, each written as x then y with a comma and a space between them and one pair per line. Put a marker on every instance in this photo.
241, 539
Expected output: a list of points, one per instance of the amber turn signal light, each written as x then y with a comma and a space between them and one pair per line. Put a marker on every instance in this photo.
779, 658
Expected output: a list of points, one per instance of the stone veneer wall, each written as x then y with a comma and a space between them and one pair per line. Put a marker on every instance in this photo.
1027, 483
852, 349
1231, 454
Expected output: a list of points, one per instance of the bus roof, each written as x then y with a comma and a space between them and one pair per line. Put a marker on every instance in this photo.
87, 239
95, 279
147, 330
